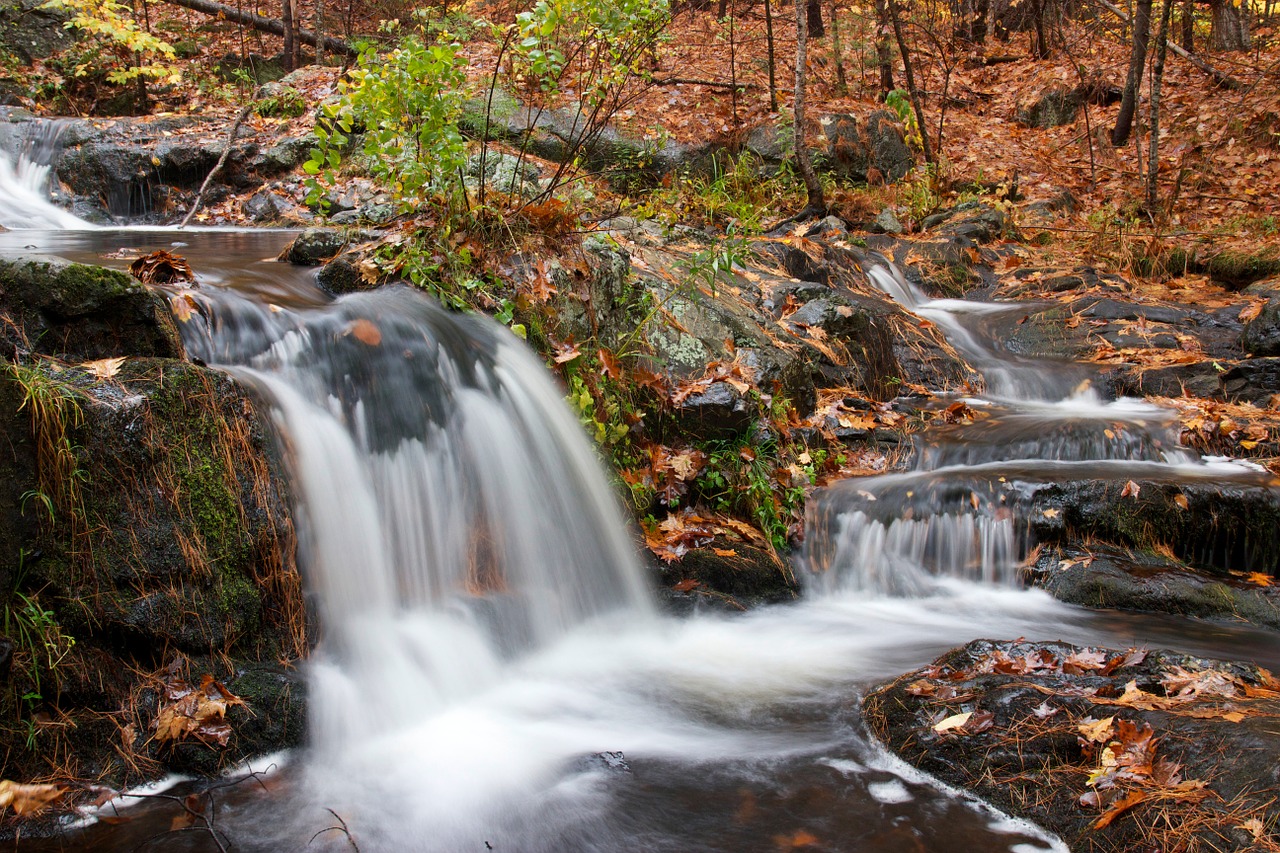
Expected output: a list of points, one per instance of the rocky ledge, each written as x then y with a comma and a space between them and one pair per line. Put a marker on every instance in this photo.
1112, 750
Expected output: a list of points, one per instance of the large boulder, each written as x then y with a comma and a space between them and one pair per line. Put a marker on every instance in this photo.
78, 312
144, 513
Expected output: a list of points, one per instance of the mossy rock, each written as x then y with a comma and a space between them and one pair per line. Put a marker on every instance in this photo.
80, 313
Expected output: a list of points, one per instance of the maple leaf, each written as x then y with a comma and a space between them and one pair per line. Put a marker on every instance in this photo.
1085, 660
1130, 489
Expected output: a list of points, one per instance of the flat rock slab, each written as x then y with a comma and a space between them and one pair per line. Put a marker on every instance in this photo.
1113, 751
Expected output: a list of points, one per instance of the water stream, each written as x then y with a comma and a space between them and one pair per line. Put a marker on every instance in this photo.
493, 674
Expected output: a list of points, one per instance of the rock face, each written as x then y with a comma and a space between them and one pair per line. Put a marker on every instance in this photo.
142, 505
1110, 750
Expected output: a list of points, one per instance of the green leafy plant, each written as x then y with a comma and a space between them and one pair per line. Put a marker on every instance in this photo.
407, 102
131, 53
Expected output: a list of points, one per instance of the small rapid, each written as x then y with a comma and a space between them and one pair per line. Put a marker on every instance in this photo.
970, 506
492, 672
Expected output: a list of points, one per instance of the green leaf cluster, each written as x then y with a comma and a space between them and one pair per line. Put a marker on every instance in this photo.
112, 23
406, 103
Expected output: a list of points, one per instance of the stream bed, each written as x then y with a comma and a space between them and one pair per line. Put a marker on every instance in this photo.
551, 706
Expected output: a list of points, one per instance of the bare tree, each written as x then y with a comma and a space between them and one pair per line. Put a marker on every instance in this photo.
816, 204
1157, 75
1133, 83
884, 53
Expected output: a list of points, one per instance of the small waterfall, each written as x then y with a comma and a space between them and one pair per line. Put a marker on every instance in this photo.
26, 166
965, 511
451, 512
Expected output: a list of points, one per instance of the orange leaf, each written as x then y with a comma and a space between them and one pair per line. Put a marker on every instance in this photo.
1118, 808
365, 332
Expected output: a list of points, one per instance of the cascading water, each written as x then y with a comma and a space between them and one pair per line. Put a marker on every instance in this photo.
966, 511
27, 152
491, 673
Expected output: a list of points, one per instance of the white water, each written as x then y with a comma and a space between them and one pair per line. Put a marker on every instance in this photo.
486, 629
24, 183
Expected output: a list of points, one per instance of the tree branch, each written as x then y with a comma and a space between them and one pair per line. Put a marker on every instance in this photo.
266, 25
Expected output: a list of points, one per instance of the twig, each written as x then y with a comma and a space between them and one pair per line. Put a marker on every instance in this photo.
342, 827
222, 161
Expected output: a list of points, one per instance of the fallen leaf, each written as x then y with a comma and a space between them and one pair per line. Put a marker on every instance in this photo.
1118, 808
365, 332
1096, 731
1131, 489
104, 368
1181, 501
955, 721
27, 799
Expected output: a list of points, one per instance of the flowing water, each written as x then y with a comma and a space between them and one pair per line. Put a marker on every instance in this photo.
493, 674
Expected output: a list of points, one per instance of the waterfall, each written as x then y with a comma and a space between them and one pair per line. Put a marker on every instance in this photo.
965, 511
26, 165
451, 512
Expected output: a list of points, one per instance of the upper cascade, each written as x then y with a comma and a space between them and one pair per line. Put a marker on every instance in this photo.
26, 166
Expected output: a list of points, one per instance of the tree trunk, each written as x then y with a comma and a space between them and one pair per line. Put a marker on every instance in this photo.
1157, 74
1230, 29
1188, 16
768, 35
290, 35
842, 80
261, 24
813, 14
908, 72
884, 54
1133, 83
816, 204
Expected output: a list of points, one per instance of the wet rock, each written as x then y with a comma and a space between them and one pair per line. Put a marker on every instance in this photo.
504, 173
1254, 380
727, 575
1199, 379
973, 221
1106, 577
342, 275
1218, 527
1042, 714
81, 313
1261, 336
719, 413
314, 246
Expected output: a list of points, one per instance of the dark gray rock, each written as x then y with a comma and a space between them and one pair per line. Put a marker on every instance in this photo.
1106, 577
1025, 752
29, 30
81, 313
1261, 336
719, 413
1254, 380
889, 151
1054, 106
314, 246
264, 206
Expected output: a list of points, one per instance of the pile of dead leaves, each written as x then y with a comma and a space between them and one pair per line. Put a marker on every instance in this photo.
198, 712
687, 529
